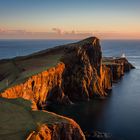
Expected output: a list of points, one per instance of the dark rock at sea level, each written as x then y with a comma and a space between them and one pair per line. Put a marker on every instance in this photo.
97, 135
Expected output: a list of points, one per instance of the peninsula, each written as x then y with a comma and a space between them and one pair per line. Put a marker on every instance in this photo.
61, 75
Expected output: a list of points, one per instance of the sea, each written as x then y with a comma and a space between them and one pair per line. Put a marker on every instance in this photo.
119, 114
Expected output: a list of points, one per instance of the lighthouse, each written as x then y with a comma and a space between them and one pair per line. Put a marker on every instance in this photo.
123, 55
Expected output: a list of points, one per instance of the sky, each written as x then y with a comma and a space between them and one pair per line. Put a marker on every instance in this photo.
69, 19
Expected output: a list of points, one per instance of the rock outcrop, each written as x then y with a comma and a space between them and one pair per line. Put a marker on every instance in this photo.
83, 76
118, 66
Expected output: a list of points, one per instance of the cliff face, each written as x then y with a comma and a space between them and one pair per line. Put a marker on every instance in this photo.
126, 65
78, 76
107, 78
84, 75
19, 122
44, 86
58, 131
117, 66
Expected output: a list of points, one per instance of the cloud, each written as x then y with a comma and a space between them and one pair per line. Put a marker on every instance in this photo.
57, 30
13, 32
57, 33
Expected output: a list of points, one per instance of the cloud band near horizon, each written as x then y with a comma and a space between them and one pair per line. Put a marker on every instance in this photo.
57, 33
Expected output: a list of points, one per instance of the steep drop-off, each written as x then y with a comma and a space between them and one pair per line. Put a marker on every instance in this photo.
118, 66
79, 75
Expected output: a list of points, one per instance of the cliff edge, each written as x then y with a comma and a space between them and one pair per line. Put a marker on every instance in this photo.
63, 74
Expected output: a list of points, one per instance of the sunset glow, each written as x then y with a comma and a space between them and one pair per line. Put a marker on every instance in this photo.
69, 19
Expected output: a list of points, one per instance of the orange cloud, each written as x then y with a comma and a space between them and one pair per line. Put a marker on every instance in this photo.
57, 33
54, 34
57, 30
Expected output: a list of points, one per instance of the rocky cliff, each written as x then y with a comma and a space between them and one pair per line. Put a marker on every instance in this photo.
79, 75
63, 74
118, 66
40, 88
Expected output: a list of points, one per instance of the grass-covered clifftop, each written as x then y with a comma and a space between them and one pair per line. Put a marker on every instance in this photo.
19, 69
19, 122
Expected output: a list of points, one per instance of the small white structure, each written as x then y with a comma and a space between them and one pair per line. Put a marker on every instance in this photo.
123, 55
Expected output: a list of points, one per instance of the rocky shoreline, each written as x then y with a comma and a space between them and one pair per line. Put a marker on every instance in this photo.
64, 74
97, 135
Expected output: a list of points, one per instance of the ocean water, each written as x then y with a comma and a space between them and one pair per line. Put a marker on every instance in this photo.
14, 48
119, 114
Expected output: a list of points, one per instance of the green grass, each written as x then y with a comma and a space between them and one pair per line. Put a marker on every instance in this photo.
16, 71
8, 72
17, 119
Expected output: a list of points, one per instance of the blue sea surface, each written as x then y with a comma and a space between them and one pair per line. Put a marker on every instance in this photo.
14, 48
119, 114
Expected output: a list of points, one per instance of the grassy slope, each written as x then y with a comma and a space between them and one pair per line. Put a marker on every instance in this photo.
17, 70
109, 61
17, 119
